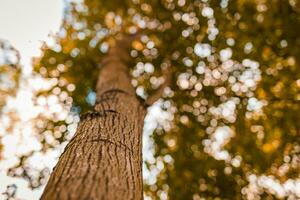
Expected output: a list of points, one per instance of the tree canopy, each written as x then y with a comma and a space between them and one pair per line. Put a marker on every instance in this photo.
232, 105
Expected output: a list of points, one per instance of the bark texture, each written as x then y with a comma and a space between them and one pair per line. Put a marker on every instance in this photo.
104, 159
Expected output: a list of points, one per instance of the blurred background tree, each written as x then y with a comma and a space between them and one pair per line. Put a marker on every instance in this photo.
9, 79
232, 126
9, 71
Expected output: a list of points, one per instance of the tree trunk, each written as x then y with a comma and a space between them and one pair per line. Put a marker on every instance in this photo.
104, 159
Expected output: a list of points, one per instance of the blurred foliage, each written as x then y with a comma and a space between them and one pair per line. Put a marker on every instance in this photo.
9, 71
9, 77
233, 104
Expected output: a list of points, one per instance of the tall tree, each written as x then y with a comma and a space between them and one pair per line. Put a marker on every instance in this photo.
104, 158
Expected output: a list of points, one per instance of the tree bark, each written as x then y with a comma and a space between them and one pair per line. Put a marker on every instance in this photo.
104, 159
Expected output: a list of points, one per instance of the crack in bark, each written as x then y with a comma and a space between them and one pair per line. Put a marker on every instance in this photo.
101, 100
114, 91
94, 114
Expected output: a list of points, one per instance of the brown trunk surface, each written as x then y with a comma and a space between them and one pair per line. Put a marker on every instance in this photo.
104, 159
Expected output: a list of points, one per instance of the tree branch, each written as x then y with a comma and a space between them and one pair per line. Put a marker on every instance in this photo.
159, 92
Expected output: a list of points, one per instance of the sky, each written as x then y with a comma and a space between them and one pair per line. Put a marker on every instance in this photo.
25, 24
